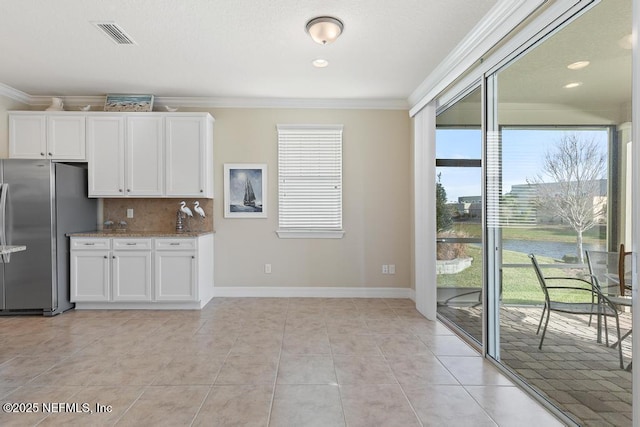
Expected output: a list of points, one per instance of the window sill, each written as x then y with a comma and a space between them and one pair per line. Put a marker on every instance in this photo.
310, 234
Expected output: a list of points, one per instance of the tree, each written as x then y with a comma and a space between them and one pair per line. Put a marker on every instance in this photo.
443, 212
569, 184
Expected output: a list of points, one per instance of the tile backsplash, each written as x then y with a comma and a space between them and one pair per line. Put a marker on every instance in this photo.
157, 214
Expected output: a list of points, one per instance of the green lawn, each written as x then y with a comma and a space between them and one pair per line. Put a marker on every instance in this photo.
520, 285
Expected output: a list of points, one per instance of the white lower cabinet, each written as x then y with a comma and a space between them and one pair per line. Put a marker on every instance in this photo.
131, 275
155, 273
90, 275
176, 275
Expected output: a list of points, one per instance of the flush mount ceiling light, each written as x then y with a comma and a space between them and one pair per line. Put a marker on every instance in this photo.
578, 65
572, 85
324, 29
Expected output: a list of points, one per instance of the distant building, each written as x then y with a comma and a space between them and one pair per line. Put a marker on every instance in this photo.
468, 207
520, 202
518, 207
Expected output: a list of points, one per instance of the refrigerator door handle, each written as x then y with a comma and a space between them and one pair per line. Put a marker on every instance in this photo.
4, 191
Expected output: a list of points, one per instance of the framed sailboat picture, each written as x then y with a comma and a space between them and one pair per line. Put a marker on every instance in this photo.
245, 190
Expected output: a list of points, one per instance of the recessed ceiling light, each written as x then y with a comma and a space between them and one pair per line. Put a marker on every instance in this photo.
320, 63
572, 85
578, 65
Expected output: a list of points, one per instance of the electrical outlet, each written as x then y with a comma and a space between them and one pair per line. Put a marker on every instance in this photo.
385, 269
129, 213
267, 268
392, 269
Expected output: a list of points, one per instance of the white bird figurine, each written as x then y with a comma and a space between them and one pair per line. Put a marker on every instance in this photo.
170, 109
86, 107
184, 209
198, 209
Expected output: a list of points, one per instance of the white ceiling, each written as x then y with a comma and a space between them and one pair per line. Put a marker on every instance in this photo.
229, 48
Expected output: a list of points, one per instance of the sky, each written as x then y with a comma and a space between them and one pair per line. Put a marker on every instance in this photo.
523, 151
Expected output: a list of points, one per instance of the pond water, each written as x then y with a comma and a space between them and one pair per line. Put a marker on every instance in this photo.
551, 249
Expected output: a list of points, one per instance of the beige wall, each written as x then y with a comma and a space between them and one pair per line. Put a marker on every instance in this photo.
7, 104
376, 197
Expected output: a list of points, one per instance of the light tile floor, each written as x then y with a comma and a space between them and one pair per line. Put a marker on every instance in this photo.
254, 362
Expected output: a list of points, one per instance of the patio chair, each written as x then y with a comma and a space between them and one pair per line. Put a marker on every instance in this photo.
607, 271
555, 299
603, 272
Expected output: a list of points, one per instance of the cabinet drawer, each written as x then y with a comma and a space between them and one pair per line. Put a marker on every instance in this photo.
123, 244
90, 244
175, 244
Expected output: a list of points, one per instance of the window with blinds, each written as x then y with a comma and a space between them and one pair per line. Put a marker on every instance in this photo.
310, 181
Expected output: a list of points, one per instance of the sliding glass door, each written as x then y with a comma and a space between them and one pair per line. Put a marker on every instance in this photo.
557, 174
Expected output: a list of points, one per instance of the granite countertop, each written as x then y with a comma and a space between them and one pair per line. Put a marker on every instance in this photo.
130, 233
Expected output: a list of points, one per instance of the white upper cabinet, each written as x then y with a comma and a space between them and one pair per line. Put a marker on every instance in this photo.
47, 136
144, 156
105, 154
125, 156
189, 156
150, 155
129, 154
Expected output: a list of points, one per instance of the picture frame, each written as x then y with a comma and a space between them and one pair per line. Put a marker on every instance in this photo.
245, 190
136, 103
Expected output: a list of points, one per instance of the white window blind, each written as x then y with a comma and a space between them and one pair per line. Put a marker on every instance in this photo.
310, 178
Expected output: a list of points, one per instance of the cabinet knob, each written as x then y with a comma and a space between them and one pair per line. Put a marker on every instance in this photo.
128, 190
193, 257
50, 154
120, 190
114, 257
105, 257
42, 154
202, 191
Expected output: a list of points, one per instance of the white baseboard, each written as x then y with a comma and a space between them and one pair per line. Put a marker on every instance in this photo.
117, 305
312, 292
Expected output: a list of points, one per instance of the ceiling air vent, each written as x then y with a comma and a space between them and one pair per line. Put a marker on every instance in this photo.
114, 32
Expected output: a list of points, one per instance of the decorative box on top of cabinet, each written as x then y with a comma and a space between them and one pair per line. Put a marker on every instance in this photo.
39, 135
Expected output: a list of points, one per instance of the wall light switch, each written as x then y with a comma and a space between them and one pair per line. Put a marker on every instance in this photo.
392, 269
129, 213
385, 269
267, 268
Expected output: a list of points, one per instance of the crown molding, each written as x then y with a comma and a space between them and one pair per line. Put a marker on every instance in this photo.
226, 102
329, 103
14, 94
493, 27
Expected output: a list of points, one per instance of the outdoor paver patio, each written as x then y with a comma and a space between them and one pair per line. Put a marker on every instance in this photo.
578, 375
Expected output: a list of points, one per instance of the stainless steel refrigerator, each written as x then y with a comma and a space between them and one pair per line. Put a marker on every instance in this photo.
40, 202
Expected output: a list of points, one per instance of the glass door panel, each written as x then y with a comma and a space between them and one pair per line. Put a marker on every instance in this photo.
459, 260
556, 164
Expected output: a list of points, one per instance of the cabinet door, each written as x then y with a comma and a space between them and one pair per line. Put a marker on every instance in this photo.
131, 275
66, 137
27, 136
90, 276
186, 157
175, 276
144, 158
105, 155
